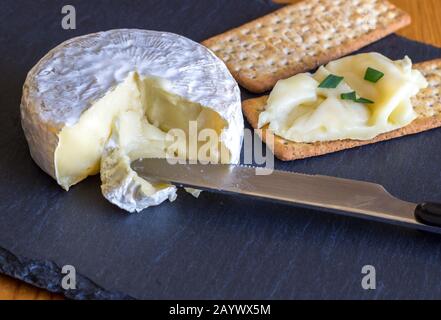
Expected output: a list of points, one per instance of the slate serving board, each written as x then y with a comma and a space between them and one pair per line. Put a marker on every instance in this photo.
218, 246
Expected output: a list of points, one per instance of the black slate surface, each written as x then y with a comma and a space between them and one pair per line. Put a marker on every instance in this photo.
218, 246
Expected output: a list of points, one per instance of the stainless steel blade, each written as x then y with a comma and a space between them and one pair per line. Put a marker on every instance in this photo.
351, 197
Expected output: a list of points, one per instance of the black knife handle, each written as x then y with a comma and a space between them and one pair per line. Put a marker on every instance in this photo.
429, 213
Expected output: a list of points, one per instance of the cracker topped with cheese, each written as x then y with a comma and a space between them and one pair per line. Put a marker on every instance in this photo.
349, 102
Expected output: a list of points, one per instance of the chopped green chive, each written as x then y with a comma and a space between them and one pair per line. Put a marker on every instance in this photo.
353, 97
349, 96
373, 75
331, 82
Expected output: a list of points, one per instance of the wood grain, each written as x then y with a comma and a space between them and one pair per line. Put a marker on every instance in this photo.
426, 27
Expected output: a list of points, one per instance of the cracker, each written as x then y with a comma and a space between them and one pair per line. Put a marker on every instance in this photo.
427, 104
302, 36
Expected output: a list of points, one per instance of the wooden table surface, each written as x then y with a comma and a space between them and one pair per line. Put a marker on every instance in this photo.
426, 27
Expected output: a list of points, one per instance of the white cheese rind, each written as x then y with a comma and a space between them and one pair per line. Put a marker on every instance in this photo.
71, 77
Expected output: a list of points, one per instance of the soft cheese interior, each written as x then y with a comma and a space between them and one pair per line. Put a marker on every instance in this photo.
300, 111
130, 122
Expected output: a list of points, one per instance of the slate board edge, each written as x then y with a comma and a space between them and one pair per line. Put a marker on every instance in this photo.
47, 275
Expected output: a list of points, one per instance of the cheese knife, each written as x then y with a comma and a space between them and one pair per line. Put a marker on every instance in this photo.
350, 197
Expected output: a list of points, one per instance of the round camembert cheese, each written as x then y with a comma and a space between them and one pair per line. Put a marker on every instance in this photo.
97, 102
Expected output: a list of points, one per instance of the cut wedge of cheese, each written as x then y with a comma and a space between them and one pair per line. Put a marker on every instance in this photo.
97, 102
132, 138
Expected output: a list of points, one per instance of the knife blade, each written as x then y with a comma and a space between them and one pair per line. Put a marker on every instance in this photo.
350, 197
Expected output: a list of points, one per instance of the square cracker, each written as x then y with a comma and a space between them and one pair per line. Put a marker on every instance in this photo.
427, 104
302, 36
